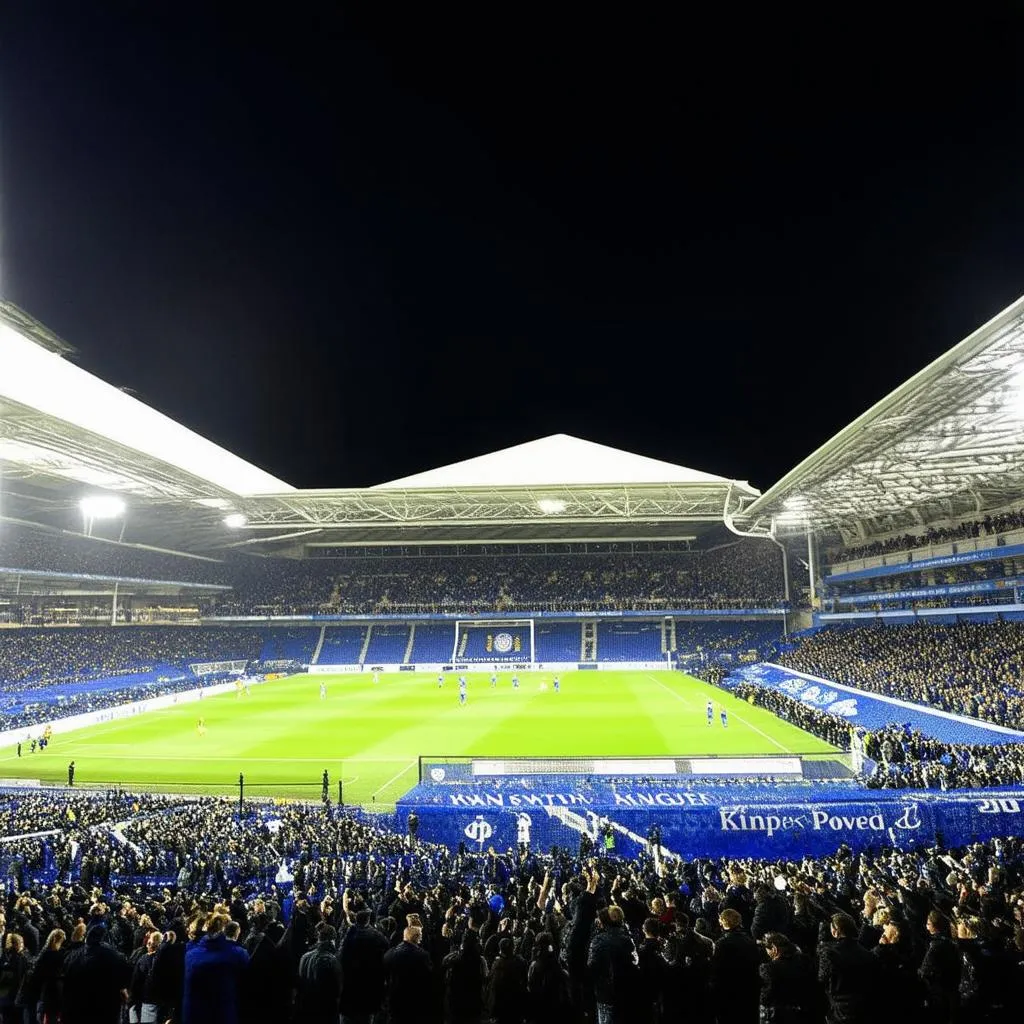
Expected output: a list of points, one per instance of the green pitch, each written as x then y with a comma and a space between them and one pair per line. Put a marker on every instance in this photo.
282, 735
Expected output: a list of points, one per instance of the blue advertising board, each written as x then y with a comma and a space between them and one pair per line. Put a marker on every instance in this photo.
872, 710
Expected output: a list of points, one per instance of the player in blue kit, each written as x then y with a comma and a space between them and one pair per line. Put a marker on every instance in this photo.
462, 689
711, 713
725, 718
515, 682
556, 684
494, 680
440, 682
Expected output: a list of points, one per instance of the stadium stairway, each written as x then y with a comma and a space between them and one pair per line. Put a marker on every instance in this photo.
319, 646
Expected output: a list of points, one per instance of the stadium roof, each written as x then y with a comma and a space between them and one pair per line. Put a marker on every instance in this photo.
947, 443
553, 488
58, 420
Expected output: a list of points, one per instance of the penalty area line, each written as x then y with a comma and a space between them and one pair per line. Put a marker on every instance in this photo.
394, 778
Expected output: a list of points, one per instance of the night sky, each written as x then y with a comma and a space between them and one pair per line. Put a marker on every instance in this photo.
351, 250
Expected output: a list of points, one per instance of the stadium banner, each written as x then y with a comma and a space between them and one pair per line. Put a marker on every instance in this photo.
654, 614
984, 587
937, 562
139, 707
718, 823
871, 710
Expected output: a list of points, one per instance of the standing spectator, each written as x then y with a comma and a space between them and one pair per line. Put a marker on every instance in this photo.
362, 969
408, 977
898, 978
940, 971
465, 974
14, 968
612, 964
653, 971
96, 980
848, 973
547, 983
319, 986
735, 984
142, 1007
789, 990
507, 994
47, 979
213, 972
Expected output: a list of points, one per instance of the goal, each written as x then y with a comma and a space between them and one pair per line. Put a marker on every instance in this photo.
493, 640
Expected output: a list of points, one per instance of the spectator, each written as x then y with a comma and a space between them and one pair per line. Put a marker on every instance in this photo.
407, 975
319, 982
734, 980
612, 964
96, 980
507, 996
214, 968
789, 994
848, 973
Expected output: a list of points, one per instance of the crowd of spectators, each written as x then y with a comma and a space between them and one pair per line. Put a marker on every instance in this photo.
906, 758
40, 657
1001, 522
735, 575
831, 728
901, 757
969, 668
519, 936
26, 547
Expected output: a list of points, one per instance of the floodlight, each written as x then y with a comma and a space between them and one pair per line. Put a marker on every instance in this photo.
102, 506
235, 521
551, 506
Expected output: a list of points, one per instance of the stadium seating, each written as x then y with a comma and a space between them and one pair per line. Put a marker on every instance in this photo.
342, 645
632, 640
388, 643
557, 641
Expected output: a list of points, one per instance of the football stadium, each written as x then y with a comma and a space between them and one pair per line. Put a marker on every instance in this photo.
451, 719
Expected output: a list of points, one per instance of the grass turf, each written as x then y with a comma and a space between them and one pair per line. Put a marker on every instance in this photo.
282, 735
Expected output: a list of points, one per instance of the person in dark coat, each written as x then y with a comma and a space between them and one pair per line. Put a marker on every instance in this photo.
319, 982
47, 978
465, 977
214, 968
14, 969
362, 969
848, 973
653, 974
735, 984
771, 913
789, 989
267, 982
547, 983
507, 990
613, 967
168, 980
95, 979
143, 1006
408, 979
940, 971
686, 998
897, 978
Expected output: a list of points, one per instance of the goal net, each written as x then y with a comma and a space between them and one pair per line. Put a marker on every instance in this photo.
493, 640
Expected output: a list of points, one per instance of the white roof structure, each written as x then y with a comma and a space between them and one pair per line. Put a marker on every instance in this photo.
554, 488
57, 419
552, 462
947, 443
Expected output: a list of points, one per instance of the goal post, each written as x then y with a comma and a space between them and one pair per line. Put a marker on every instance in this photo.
493, 640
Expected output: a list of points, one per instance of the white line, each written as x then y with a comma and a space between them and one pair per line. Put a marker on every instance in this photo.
411, 764
740, 718
88, 754
668, 689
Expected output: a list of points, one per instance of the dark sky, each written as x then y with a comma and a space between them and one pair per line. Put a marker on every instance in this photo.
352, 249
